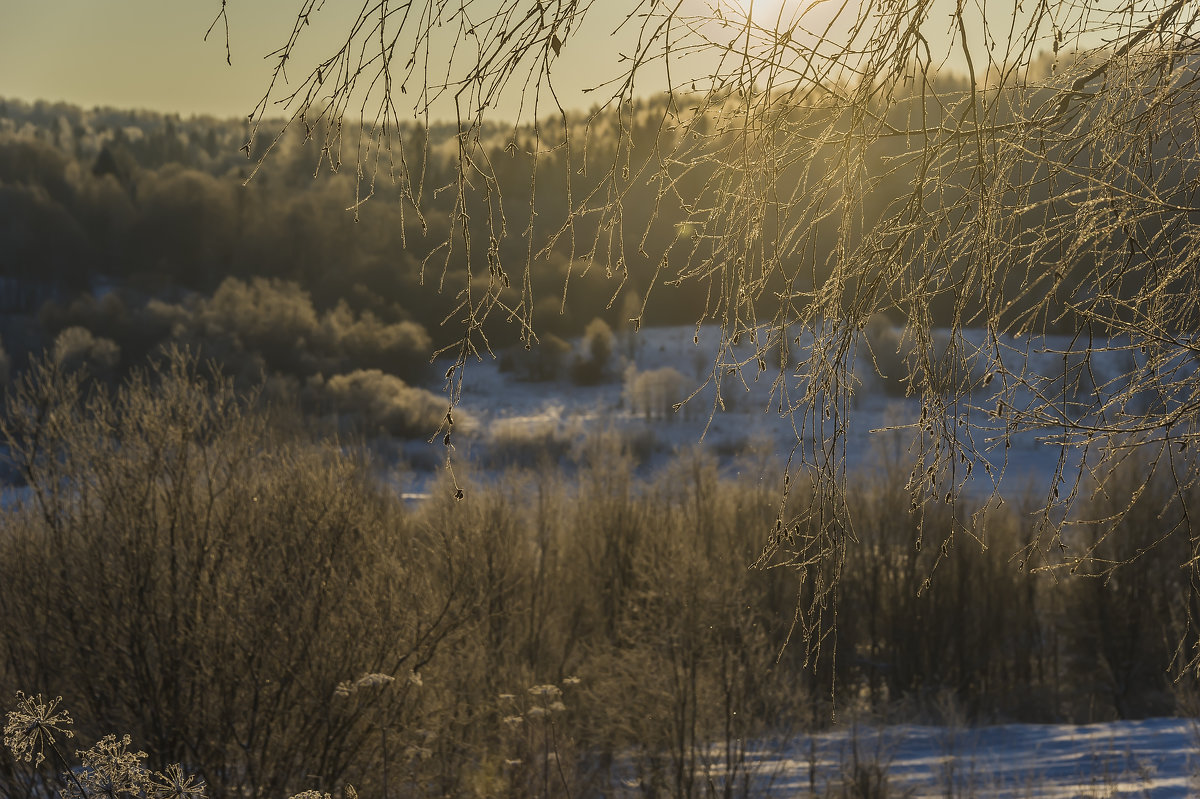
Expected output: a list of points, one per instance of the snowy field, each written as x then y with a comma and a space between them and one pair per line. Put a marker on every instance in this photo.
1155, 759
504, 407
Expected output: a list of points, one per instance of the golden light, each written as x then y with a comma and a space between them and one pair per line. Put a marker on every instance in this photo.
765, 14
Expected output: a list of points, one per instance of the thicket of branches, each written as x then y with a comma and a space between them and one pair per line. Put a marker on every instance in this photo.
1053, 189
259, 606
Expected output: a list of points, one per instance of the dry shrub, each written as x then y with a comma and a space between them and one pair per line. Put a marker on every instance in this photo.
179, 571
1129, 612
256, 606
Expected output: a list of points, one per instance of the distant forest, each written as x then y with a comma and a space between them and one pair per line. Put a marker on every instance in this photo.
127, 230
140, 228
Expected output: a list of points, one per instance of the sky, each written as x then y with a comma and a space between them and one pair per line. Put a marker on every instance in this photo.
138, 54
152, 54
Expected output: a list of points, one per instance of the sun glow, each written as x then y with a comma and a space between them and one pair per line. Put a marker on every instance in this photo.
773, 13
799, 20
766, 14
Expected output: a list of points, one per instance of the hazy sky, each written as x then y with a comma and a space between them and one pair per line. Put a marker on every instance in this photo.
138, 53
152, 54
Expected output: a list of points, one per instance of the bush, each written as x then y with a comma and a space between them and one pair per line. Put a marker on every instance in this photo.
76, 349
182, 572
273, 326
654, 393
591, 367
257, 606
364, 342
526, 442
387, 404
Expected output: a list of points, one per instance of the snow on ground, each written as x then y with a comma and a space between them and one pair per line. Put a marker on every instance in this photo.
752, 416
1153, 759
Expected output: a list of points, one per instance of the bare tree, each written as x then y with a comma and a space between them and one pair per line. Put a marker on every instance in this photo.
828, 169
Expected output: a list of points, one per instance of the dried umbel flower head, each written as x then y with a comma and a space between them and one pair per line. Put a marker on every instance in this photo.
110, 771
31, 725
174, 784
311, 795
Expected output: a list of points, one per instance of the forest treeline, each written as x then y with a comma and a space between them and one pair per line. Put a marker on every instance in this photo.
139, 227
107, 211
129, 231
248, 600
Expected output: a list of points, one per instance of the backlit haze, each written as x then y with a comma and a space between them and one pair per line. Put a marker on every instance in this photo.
152, 54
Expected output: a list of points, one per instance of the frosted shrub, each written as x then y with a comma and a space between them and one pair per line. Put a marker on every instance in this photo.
272, 317
386, 403
366, 342
591, 365
76, 348
655, 393
525, 442
273, 324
